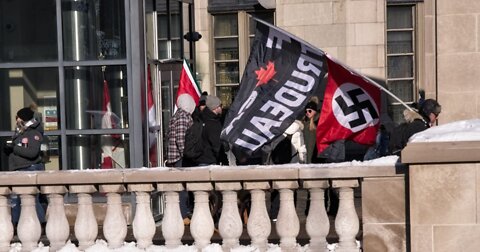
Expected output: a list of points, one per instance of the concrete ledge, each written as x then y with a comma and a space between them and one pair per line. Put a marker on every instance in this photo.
441, 152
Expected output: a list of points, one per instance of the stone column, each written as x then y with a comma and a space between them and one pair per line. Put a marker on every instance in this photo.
28, 229
258, 226
6, 227
86, 226
57, 229
143, 223
230, 225
346, 222
202, 226
317, 224
288, 224
114, 225
172, 222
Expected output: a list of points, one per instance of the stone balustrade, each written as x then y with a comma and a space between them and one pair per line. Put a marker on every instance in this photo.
200, 180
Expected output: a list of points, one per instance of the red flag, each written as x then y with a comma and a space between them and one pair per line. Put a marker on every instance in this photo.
351, 108
151, 120
187, 84
107, 141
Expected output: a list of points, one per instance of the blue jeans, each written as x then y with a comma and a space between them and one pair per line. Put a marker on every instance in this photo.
15, 199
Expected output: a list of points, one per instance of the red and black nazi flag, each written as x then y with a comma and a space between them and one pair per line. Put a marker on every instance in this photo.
281, 75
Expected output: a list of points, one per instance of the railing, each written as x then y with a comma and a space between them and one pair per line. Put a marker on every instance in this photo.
199, 180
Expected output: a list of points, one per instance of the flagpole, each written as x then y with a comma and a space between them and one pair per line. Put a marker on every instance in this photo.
373, 82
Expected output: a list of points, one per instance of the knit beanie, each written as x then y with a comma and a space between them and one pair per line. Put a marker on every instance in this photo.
26, 114
186, 102
213, 102
311, 105
203, 99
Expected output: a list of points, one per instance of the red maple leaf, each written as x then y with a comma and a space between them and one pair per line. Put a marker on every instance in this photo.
264, 75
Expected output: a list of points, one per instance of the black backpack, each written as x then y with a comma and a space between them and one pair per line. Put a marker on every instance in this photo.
194, 141
282, 152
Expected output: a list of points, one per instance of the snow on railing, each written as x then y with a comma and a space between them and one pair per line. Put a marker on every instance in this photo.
141, 182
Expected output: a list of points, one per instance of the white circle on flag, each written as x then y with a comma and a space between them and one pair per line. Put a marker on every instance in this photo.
352, 107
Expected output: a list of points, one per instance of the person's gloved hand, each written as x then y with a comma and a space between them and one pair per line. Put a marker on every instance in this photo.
8, 149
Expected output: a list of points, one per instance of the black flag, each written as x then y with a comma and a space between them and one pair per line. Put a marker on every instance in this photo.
281, 75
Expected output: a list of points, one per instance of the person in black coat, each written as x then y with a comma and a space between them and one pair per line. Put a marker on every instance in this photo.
211, 116
414, 122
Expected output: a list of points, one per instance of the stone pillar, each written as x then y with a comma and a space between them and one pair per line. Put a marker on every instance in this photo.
86, 226
6, 227
57, 229
28, 229
346, 222
114, 225
172, 222
288, 224
317, 224
143, 223
258, 226
230, 225
202, 226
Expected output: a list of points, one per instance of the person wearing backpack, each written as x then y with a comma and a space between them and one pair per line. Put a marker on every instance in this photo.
211, 115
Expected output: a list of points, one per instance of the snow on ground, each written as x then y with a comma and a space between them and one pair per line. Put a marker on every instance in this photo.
467, 130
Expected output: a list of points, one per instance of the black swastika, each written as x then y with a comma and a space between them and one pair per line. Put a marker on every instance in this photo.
356, 107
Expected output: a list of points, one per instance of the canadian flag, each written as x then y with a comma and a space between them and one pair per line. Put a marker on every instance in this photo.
107, 140
351, 108
188, 85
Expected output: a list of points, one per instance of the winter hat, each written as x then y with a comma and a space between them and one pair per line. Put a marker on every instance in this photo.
26, 114
203, 99
186, 102
213, 102
430, 106
311, 105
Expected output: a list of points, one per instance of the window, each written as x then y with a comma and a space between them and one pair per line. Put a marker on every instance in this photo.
401, 71
232, 49
170, 40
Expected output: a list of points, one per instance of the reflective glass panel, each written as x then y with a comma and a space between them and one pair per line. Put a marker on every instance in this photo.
400, 16
226, 49
97, 152
24, 87
226, 25
93, 29
401, 88
87, 89
51, 152
399, 42
227, 94
28, 31
227, 73
400, 67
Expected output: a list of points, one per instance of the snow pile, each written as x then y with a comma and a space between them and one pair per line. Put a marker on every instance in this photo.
467, 130
102, 246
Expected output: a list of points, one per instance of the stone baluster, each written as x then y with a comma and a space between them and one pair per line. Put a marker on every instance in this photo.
202, 226
6, 227
346, 222
288, 224
143, 223
259, 225
230, 225
172, 222
317, 224
57, 229
115, 224
86, 226
28, 229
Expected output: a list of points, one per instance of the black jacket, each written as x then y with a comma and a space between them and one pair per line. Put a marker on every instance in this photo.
400, 135
211, 138
26, 147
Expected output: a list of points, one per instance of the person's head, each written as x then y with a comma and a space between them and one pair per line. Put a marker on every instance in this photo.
25, 114
214, 104
202, 103
430, 109
311, 109
186, 102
